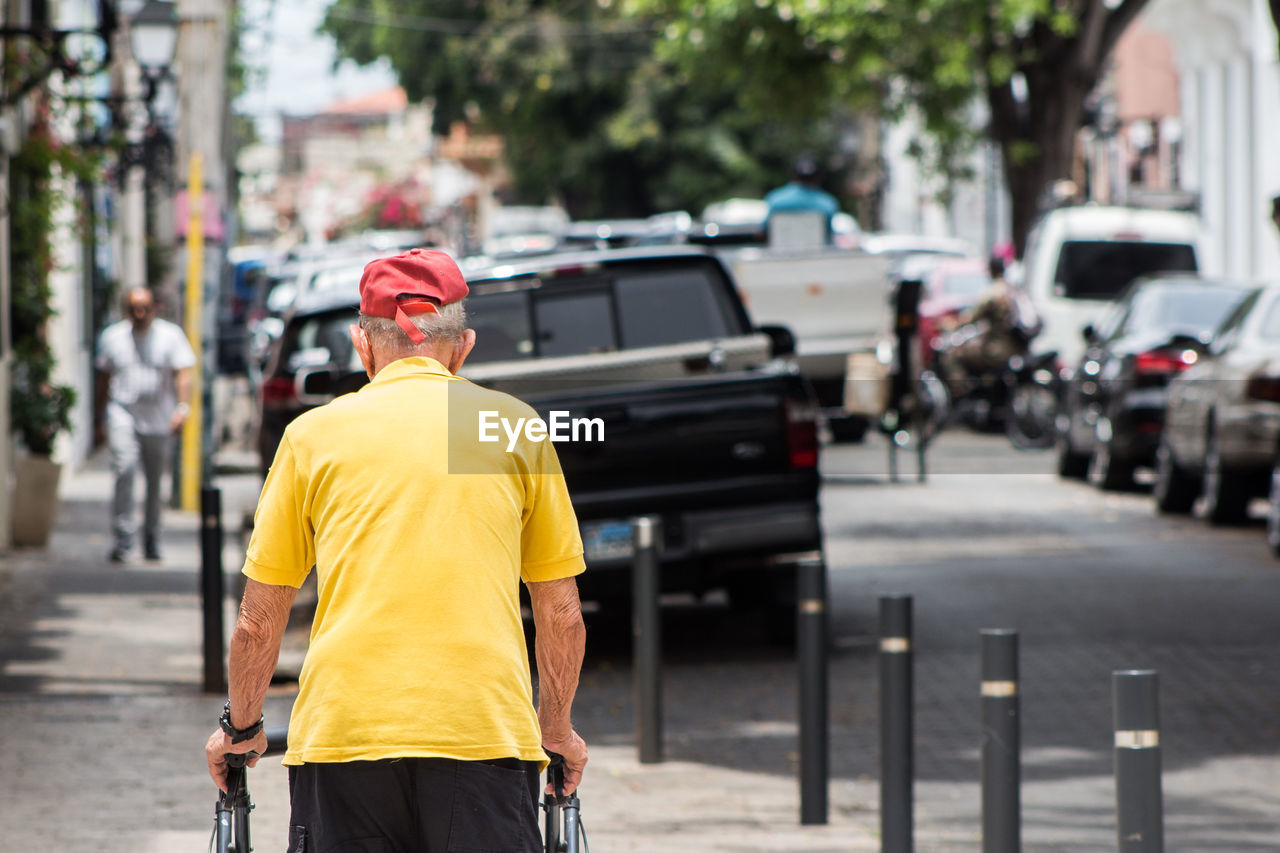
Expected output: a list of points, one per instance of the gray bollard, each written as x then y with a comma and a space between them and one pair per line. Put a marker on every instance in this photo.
897, 746
1139, 801
811, 660
211, 590
1001, 743
646, 639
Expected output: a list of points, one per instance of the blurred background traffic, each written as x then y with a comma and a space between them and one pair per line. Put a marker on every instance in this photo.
1054, 223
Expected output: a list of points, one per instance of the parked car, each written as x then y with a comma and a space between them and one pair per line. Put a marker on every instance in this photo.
707, 424
1079, 259
1112, 409
1222, 418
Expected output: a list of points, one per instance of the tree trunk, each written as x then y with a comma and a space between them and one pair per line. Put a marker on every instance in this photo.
1037, 134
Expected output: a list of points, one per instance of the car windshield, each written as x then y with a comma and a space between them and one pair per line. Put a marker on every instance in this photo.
1100, 269
1181, 310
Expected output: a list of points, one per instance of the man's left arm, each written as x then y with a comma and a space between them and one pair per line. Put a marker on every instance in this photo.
255, 649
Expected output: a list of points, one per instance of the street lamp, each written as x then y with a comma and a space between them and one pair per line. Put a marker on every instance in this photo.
153, 35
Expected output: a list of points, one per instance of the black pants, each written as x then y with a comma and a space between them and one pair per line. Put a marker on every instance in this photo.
414, 805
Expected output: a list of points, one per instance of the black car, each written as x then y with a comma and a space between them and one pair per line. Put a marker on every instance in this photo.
1113, 407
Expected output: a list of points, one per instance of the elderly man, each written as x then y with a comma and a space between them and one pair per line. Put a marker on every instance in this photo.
144, 388
414, 727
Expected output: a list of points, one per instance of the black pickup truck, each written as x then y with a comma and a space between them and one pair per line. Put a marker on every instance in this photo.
706, 423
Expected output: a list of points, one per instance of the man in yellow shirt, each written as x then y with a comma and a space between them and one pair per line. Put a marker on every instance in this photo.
414, 726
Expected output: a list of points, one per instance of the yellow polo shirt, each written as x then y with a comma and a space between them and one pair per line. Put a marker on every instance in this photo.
420, 535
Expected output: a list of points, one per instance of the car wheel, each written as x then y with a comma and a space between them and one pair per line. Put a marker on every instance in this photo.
1175, 490
1072, 465
1273, 511
1226, 501
1108, 473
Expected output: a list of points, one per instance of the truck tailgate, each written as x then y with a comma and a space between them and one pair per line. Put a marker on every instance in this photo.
834, 301
718, 440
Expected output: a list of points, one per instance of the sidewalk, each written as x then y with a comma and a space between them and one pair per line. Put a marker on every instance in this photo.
104, 719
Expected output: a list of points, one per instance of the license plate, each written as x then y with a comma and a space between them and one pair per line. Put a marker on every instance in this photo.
607, 540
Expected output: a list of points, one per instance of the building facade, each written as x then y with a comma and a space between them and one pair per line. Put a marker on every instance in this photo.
1226, 55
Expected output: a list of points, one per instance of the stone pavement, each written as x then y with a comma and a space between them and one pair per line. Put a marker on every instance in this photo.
101, 746
103, 719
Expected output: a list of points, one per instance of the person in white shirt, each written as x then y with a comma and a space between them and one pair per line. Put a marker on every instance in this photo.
144, 391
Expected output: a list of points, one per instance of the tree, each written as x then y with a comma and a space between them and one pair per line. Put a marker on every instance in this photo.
1034, 63
592, 116
619, 105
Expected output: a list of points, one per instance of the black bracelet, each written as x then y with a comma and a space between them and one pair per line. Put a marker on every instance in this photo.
237, 735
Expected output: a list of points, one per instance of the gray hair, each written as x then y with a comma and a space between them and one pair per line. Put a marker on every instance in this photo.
446, 327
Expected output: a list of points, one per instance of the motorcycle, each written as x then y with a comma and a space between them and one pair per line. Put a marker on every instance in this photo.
1018, 396
1034, 390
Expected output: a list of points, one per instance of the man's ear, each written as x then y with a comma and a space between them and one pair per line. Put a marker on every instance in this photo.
360, 340
462, 350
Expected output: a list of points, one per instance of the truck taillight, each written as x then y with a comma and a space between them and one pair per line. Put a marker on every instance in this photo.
802, 434
278, 391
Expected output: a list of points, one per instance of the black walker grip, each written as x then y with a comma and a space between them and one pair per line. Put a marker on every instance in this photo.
555, 775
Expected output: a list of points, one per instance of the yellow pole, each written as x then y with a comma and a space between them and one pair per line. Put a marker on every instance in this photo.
193, 430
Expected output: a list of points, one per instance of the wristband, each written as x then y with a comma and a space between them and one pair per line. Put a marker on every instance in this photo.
237, 735
182, 409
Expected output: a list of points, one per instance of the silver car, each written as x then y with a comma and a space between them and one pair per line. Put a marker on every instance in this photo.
1222, 420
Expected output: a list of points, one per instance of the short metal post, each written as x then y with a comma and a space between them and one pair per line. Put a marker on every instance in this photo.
1001, 743
896, 726
211, 588
1139, 801
811, 654
646, 639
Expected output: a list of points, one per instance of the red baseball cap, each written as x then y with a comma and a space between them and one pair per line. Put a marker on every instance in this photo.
412, 283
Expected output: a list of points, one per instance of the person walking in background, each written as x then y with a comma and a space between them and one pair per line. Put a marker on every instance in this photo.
414, 726
803, 195
143, 398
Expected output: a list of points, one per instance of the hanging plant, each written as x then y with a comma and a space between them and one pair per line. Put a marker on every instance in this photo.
39, 409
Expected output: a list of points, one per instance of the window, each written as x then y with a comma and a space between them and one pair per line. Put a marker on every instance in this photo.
321, 339
501, 323
1100, 269
1270, 328
1189, 311
575, 323
1230, 328
672, 307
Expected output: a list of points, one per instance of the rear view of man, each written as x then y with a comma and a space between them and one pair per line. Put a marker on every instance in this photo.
414, 728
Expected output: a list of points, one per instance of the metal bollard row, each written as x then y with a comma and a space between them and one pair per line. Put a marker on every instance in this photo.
1139, 811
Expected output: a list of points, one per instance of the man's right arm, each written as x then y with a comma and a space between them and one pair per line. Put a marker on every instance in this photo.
559, 645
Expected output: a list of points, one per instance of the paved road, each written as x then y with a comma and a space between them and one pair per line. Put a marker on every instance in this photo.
99, 691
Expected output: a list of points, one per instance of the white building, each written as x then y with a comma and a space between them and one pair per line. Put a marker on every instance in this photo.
1230, 88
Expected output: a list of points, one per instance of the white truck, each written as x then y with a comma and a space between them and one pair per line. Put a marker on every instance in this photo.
837, 304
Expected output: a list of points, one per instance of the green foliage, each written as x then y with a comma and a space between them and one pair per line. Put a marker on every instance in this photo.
594, 115
39, 410
629, 106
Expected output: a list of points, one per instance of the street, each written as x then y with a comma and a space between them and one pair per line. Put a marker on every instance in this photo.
1093, 583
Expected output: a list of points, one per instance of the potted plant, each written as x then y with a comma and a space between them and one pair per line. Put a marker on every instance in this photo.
38, 409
